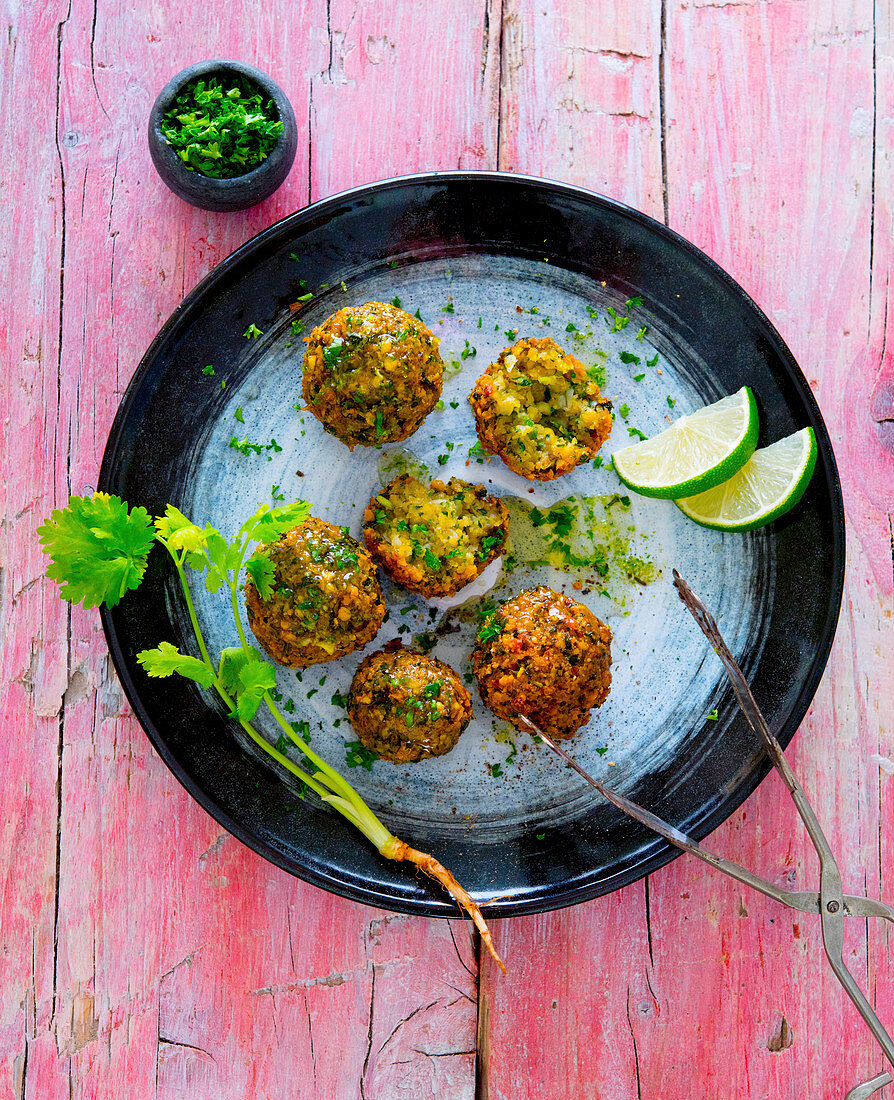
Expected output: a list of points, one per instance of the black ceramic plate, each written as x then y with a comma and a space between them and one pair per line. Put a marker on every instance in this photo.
481, 256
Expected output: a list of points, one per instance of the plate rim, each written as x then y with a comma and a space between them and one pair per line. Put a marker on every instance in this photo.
574, 891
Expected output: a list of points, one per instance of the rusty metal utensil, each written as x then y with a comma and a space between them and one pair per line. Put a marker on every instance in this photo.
830, 902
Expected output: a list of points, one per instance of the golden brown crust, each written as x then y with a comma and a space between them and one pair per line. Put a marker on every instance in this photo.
546, 656
326, 598
405, 706
540, 410
435, 539
372, 374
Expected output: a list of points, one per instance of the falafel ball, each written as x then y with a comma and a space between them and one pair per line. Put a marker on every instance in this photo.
436, 539
405, 706
540, 410
326, 599
372, 374
546, 656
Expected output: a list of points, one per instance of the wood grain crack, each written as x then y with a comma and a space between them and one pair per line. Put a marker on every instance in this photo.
369, 1035
639, 1085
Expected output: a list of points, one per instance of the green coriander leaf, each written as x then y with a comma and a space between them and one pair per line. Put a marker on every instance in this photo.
248, 676
238, 415
262, 572
97, 548
267, 524
713, 716
396, 302
208, 370
252, 332
179, 532
166, 659
629, 357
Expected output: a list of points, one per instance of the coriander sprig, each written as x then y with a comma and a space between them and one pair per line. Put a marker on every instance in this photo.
99, 549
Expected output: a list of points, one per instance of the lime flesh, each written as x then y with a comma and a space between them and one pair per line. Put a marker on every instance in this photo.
765, 488
695, 453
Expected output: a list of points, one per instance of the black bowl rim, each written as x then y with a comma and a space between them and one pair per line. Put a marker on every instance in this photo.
224, 189
574, 893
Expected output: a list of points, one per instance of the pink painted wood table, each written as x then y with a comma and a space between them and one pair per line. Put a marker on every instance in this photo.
146, 953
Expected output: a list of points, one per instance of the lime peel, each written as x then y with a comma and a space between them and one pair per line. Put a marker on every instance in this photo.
697, 452
765, 488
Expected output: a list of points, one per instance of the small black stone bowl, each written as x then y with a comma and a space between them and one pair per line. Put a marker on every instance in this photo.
240, 191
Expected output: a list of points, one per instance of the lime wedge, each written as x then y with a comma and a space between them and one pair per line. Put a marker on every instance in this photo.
771, 481
695, 453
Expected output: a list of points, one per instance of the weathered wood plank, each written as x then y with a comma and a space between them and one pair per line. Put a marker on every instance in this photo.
407, 88
33, 623
580, 96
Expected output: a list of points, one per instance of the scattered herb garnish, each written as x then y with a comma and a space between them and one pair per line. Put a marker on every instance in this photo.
208, 370
99, 549
713, 716
244, 446
252, 332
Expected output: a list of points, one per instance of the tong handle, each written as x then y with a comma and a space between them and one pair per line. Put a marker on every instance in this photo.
831, 896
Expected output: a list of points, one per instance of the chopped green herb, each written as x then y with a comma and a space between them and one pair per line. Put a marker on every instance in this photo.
252, 332
468, 351
357, 755
238, 415
221, 132
653, 361
208, 370
670, 401
629, 357
624, 411
636, 432
638, 377
448, 308
396, 302
496, 770
713, 716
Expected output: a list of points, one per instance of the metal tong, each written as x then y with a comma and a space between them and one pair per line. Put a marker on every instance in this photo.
830, 902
